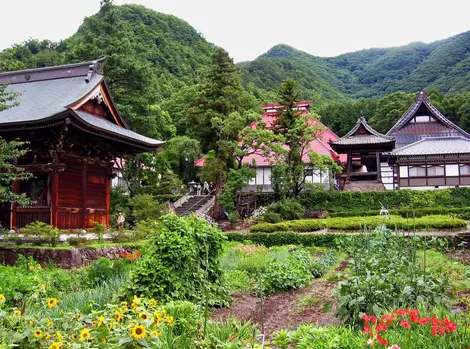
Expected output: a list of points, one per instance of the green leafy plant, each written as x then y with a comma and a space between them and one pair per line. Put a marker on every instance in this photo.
42, 230
287, 209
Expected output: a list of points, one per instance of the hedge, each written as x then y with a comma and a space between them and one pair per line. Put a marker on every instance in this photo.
335, 201
287, 238
359, 223
461, 212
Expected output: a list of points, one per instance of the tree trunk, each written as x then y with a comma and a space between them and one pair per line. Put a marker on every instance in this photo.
218, 187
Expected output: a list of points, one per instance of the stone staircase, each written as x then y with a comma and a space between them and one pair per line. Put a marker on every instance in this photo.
193, 204
373, 185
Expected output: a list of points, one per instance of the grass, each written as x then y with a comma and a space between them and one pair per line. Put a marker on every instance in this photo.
305, 302
93, 245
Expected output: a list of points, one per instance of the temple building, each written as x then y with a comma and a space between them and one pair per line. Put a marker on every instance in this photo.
423, 150
74, 133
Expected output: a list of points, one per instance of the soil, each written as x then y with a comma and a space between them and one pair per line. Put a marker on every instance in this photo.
282, 310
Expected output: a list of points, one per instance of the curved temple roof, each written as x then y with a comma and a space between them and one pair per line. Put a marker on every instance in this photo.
48, 94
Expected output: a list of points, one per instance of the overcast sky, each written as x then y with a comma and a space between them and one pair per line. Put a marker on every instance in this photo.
248, 28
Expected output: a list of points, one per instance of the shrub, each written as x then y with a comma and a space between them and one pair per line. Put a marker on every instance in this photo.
392, 199
43, 230
104, 269
291, 273
272, 217
460, 212
322, 264
182, 262
288, 238
286, 209
360, 223
144, 207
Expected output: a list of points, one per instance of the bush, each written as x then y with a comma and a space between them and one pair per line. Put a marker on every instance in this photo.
182, 262
104, 269
392, 199
322, 264
287, 209
360, 223
288, 238
272, 217
42, 230
144, 207
461, 212
289, 274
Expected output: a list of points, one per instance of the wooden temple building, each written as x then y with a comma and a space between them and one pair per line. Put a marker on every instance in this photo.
74, 133
423, 150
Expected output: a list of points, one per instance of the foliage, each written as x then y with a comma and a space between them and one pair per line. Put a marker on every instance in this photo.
459, 212
386, 273
181, 262
104, 269
360, 223
322, 264
288, 274
236, 181
287, 238
287, 209
43, 231
391, 199
144, 207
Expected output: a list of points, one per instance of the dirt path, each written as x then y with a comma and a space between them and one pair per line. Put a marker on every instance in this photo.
282, 310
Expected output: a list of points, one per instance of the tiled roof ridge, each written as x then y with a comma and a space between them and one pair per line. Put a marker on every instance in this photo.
427, 139
86, 69
361, 121
421, 98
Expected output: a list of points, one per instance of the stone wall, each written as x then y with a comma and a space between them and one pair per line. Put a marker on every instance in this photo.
70, 258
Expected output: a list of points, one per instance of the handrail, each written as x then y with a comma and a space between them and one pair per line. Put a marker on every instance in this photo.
189, 209
181, 200
206, 207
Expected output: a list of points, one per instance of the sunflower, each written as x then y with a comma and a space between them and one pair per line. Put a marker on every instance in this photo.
37, 333
55, 345
32, 268
100, 321
74, 337
17, 312
84, 334
2, 298
138, 332
153, 302
169, 320
52, 302
59, 337
155, 333
117, 316
143, 316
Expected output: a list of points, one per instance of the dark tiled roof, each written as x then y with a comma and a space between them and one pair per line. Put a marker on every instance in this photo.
435, 146
103, 124
47, 93
367, 135
422, 99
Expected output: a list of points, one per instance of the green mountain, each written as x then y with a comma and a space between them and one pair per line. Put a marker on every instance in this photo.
372, 73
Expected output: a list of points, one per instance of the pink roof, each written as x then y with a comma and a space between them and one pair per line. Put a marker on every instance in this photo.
319, 145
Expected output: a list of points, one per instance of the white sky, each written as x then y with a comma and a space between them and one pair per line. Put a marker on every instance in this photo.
248, 28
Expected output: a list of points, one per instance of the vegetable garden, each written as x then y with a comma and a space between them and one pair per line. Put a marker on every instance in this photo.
192, 286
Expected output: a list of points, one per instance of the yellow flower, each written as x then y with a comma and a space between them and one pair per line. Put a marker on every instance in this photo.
143, 316
59, 337
38, 333
155, 333
84, 334
110, 326
93, 324
55, 345
138, 332
52, 302
169, 321
117, 316
135, 302
100, 321
74, 336
153, 302
43, 287
39, 267
17, 312
78, 316
105, 340
50, 323
47, 336
31, 322
31, 267
2, 298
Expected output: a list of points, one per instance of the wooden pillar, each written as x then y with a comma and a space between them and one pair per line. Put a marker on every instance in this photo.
15, 188
348, 167
54, 198
108, 200
379, 174
83, 213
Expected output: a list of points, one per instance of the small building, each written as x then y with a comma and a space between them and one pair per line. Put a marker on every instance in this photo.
262, 181
363, 146
431, 151
74, 133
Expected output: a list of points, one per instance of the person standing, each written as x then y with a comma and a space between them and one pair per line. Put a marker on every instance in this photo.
120, 221
206, 188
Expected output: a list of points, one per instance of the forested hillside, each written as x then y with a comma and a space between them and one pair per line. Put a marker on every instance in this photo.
371, 73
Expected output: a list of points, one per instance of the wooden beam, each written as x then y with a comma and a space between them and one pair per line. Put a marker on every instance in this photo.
83, 215
108, 201
54, 198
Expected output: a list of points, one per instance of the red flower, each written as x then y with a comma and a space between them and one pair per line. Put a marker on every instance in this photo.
381, 327
405, 323
400, 312
422, 321
366, 330
381, 340
387, 318
369, 318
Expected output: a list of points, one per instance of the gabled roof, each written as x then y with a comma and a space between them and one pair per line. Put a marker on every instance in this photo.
49, 94
362, 134
422, 99
435, 146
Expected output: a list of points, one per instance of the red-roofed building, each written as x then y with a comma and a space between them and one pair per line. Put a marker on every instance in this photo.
264, 164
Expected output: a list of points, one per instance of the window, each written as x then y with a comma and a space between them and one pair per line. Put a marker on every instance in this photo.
417, 171
464, 170
436, 171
